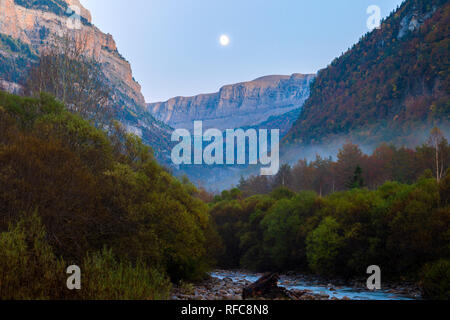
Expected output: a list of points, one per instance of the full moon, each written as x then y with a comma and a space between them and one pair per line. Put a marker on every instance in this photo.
224, 40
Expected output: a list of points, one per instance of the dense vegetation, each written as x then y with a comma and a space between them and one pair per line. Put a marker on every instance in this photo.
72, 194
58, 7
391, 84
353, 168
336, 218
405, 229
15, 58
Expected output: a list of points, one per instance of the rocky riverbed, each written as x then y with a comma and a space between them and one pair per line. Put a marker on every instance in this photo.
229, 285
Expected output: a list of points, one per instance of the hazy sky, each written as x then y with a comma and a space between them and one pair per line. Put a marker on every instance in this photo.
174, 49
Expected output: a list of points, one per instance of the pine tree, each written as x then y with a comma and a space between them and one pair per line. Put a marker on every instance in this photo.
357, 181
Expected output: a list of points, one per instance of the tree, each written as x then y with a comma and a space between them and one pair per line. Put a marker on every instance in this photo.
303, 175
324, 178
357, 180
284, 177
255, 185
90, 193
438, 142
68, 71
323, 246
349, 157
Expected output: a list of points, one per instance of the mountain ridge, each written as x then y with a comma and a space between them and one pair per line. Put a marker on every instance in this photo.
390, 86
237, 105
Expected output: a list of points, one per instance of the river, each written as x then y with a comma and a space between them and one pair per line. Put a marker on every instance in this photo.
337, 290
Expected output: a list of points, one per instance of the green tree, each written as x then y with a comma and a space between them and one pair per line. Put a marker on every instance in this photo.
323, 247
357, 181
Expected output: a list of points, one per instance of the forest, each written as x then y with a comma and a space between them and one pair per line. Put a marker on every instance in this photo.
391, 84
74, 194
403, 228
71, 194
353, 168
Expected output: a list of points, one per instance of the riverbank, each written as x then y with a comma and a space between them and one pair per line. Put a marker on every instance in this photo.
228, 285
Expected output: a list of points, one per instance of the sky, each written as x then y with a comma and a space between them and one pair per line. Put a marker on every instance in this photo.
174, 45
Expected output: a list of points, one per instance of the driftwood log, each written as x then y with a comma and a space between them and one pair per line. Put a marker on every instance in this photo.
267, 288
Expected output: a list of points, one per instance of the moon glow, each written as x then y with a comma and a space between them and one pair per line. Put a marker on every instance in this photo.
224, 40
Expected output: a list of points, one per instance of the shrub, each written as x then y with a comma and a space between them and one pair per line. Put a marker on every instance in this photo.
28, 267
30, 271
105, 278
435, 282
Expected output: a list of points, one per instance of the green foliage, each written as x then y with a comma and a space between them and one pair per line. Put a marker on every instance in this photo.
28, 267
16, 46
324, 245
399, 227
187, 288
58, 7
283, 227
282, 193
357, 180
92, 190
104, 278
15, 59
29, 270
435, 281
55, 6
228, 216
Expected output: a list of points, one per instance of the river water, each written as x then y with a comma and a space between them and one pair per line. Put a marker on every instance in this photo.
315, 287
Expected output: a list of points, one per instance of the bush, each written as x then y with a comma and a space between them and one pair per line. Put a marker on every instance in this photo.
435, 282
30, 271
28, 267
398, 227
105, 278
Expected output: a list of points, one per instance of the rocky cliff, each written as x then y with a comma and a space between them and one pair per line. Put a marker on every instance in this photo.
27, 27
239, 105
33, 22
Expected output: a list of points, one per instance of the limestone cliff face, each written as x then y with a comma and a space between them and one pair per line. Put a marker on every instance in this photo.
33, 23
239, 105
29, 26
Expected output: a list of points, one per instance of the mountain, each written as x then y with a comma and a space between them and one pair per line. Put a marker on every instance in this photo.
283, 122
270, 102
245, 104
393, 85
27, 27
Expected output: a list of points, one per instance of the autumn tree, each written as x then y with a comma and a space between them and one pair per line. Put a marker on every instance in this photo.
303, 175
284, 177
349, 157
324, 175
255, 185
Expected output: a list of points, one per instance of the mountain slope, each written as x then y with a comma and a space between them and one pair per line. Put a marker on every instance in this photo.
27, 27
392, 84
239, 105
